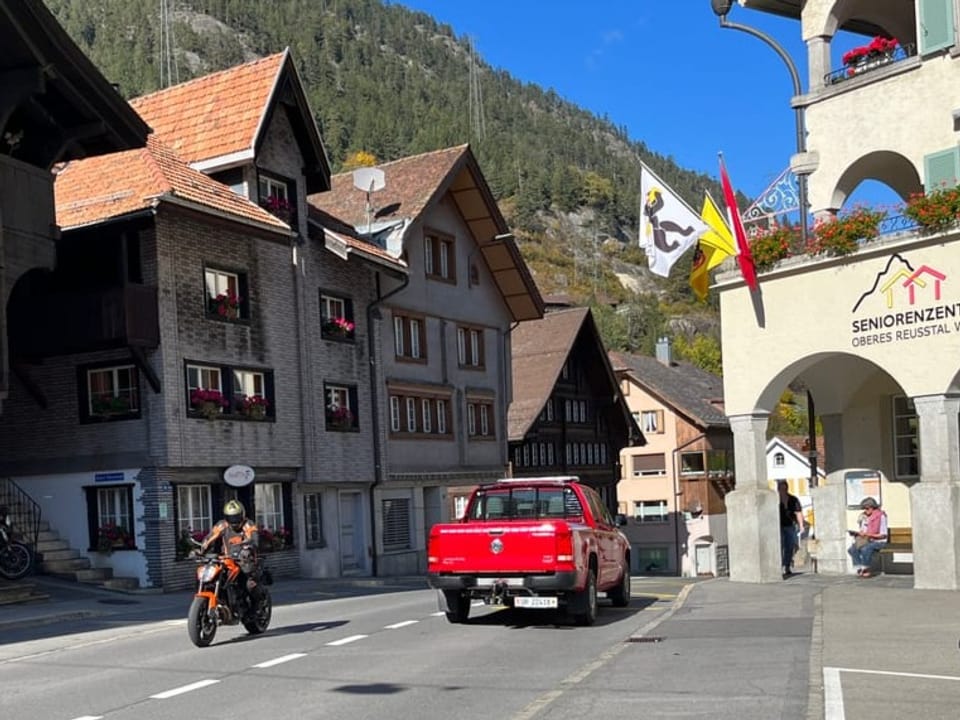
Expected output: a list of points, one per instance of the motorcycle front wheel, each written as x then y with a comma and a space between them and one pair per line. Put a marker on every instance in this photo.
260, 620
15, 561
200, 625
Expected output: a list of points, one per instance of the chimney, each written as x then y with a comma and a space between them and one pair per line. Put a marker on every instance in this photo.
663, 351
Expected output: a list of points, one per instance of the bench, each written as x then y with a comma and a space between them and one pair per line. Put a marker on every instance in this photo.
896, 557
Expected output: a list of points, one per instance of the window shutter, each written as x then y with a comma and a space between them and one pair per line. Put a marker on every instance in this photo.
936, 25
270, 393
348, 309
354, 406
941, 170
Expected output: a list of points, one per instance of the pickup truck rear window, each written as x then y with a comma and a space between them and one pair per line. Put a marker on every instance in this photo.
525, 503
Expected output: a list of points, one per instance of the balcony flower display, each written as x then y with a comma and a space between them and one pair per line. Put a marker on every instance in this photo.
277, 539
185, 544
880, 48
253, 406
226, 305
209, 403
112, 537
279, 207
338, 327
110, 405
844, 235
339, 418
772, 245
935, 211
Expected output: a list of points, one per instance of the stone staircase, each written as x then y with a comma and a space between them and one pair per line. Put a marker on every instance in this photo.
55, 557
20, 591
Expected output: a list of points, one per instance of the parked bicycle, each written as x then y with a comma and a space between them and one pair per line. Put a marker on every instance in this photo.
16, 557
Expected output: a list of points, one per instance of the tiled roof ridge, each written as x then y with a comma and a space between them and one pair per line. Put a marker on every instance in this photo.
412, 158
156, 154
209, 76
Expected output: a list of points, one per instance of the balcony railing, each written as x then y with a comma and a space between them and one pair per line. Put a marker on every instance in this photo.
868, 64
70, 322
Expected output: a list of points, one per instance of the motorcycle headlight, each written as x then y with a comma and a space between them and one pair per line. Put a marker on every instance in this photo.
207, 573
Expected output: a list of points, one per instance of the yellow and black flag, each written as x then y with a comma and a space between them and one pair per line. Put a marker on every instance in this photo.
713, 247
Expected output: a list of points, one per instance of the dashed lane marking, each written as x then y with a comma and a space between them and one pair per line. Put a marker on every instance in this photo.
280, 660
344, 641
397, 626
183, 689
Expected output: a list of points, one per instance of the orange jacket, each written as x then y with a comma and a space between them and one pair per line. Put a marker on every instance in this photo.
233, 541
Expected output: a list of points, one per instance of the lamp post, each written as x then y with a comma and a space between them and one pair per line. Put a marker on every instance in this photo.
721, 9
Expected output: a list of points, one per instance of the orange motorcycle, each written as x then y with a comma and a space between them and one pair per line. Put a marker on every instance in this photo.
229, 591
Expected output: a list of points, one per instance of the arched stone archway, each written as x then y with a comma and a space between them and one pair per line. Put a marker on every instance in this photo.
890, 168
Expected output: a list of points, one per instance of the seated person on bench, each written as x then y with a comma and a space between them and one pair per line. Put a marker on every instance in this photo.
869, 537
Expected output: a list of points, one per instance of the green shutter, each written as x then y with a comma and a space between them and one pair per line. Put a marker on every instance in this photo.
941, 169
936, 25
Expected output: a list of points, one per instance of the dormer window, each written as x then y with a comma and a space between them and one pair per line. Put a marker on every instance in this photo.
278, 197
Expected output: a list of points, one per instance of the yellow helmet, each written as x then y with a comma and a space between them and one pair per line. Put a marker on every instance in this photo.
234, 513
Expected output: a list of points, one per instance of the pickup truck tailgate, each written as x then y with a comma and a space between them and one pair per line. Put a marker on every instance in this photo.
489, 547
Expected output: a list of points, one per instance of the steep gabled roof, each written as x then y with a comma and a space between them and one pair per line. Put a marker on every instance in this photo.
684, 387
220, 119
109, 186
539, 349
413, 185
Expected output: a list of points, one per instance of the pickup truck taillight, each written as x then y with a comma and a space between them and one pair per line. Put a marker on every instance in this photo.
564, 546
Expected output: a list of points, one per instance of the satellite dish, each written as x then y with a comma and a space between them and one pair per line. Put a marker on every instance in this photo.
369, 179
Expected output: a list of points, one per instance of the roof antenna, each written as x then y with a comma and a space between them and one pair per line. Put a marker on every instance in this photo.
369, 179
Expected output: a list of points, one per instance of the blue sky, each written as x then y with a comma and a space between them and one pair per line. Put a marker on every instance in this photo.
664, 69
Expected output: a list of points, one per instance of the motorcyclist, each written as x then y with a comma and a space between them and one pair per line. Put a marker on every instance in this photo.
239, 538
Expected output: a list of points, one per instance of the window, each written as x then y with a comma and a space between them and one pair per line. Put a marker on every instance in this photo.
460, 506
480, 422
411, 414
906, 438
396, 523
408, 337
470, 347
313, 520
237, 393
108, 393
652, 559
691, 463
438, 257
226, 294
394, 413
341, 407
420, 414
441, 407
194, 509
651, 421
336, 318
426, 416
268, 501
778, 459
650, 511
110, 518
278, 196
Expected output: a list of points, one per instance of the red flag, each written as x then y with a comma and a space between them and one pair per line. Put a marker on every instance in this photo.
744, 257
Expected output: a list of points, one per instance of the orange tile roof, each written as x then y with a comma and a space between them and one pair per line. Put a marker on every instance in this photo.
214, 115
99, 188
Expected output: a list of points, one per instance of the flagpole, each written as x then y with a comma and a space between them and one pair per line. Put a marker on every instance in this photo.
721, 8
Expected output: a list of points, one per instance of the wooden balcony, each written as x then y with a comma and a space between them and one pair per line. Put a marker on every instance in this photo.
75, 322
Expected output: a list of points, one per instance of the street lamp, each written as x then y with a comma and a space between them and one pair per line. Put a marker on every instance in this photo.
721, 9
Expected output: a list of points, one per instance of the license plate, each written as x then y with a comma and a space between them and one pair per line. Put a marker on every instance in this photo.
535, 602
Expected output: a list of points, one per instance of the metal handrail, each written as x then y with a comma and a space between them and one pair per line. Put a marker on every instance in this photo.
24, 509
902, 52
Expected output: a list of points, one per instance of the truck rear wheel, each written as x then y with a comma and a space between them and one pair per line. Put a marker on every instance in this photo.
620, 595
458, 606
587, 600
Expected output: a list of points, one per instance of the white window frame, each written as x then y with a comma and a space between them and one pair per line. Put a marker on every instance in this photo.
194, 508
398, 346
414, 338
778, 459
332, 307
268, 501
462, 346
640, 506
471, 419
201, 377
442, 417
338, 396
219, 281
428, 255
270, 187
425, 415
411, 414
249, 383
395, 413
906, 413
313, 519
130, 392
444, 252
651, 421
484, 419
113, 506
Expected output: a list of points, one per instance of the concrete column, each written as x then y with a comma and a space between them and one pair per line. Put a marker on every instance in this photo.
753, 519
818, 60
935, 500
832, 441
830, 510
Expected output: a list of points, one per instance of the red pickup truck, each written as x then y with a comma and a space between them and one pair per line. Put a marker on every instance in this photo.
530, 543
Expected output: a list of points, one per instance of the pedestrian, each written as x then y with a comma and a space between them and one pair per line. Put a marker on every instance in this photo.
871, 535
791, 526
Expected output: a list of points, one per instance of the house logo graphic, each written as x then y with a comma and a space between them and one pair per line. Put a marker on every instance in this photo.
904, 303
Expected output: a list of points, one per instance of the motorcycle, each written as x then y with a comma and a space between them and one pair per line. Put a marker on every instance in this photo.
16, 558
221, 600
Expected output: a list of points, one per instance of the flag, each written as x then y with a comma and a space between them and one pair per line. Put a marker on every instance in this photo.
744, 257
700, 272
668, 227
718, 238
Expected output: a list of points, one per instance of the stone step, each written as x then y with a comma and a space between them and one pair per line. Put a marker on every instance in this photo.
66, 567
20, 592
93, 575
122, 583
46, 546
66, 553
47, 536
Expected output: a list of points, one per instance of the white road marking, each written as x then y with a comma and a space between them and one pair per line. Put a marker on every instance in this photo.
183, 689
832, 695
280, 660
344, 641
398, 625
437, 614
89, 717
897, 674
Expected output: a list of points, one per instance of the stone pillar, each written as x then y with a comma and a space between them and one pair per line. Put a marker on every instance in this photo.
753, 519
832, 442
818, 61
935, 500
830, 511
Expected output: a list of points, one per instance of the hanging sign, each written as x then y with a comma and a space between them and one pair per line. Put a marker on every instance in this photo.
238, 475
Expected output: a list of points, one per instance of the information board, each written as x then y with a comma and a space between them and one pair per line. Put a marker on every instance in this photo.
861, 484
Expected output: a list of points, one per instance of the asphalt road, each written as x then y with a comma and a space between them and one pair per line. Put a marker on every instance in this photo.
394, 656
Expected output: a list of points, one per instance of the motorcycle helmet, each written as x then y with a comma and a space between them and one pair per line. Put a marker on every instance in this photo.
234, 513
